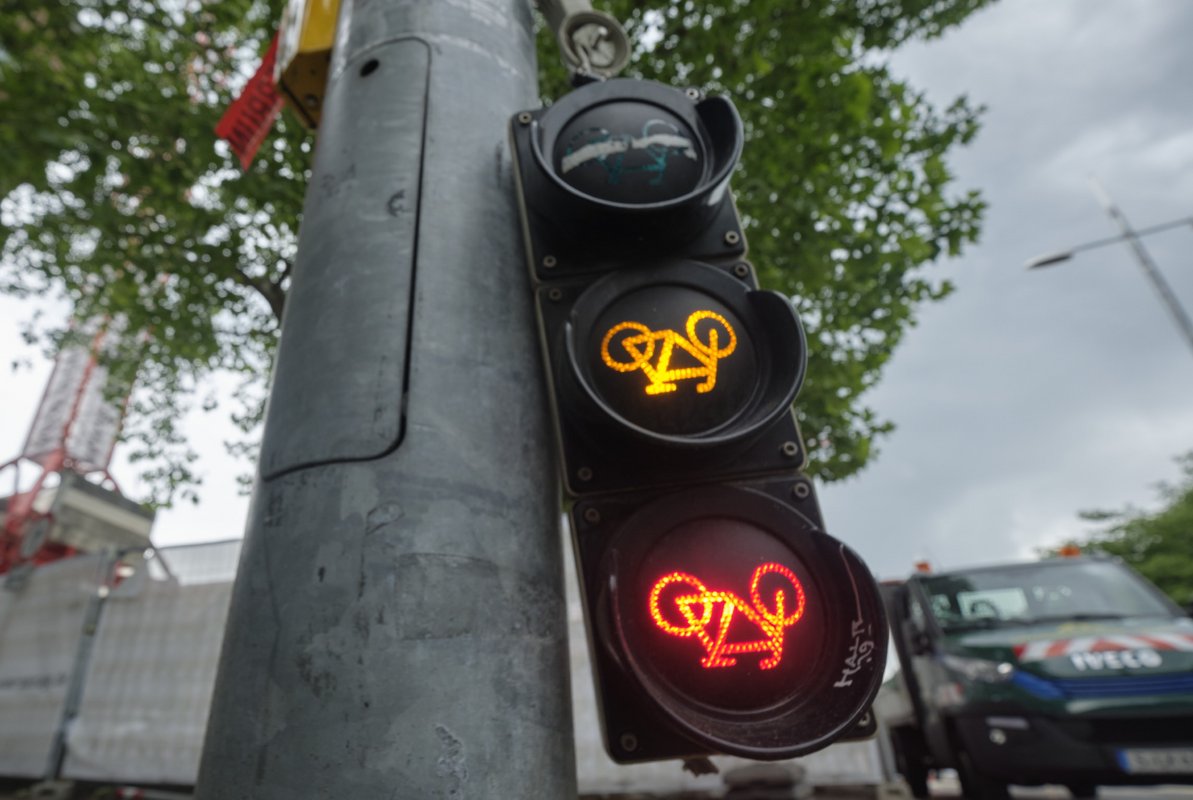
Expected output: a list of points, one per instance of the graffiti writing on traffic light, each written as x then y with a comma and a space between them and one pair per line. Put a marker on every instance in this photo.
698, 607
659, 142
634, 345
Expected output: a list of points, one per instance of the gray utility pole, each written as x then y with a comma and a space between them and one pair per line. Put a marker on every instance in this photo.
1169, 298
398, 626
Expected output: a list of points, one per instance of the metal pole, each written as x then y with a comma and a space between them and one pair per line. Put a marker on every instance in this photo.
105, 566
398, 624
1179, 316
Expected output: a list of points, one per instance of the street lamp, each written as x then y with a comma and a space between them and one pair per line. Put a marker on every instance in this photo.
1132, 237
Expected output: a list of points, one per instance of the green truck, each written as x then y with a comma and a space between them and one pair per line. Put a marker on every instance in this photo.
1072, 671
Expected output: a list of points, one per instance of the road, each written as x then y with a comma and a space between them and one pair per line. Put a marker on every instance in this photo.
947, 788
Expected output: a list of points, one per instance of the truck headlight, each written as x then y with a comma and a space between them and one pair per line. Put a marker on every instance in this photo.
979, 669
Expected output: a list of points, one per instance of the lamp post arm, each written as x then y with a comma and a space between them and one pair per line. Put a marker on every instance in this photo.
1064, 255
1164, 226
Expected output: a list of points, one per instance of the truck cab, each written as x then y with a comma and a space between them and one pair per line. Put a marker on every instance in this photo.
1072, 671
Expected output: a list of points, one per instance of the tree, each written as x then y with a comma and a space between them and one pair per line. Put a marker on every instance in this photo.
118, 195
843, 183
1158, 544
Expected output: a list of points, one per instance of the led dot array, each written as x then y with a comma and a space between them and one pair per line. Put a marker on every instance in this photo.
640, 346
699, 609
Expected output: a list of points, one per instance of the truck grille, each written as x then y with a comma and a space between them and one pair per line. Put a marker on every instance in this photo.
1128, 731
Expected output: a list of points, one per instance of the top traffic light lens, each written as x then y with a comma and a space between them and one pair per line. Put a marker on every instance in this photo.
633, 147
629, 152
627, 169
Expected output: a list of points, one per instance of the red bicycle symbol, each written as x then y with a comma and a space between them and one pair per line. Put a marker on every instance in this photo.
698, 607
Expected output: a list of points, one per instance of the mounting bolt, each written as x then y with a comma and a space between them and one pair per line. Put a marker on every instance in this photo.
525, 118
741, 270
789, 449
732, 237
584, 473
549, 262
628, 742
555, 295
801, 490
694, 94
592, 516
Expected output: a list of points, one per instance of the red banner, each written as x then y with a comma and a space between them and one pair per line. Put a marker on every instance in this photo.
249, 118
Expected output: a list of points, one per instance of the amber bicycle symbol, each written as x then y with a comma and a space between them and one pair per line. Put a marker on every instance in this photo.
640, 345
698, 606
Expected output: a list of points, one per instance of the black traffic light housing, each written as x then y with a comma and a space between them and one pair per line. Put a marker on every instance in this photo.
616, 391
721, 617
630, 230
649, 673
627, 168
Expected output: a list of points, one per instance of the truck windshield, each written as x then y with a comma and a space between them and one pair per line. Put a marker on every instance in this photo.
1046, 592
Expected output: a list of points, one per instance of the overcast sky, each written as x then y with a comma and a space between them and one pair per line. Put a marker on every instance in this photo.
1024, 397
1027, 396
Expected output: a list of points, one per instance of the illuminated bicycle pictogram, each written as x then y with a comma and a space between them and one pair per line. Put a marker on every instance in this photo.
639, 344
699, 609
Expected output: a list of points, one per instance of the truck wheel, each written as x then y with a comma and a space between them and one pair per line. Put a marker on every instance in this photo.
910, 764
1082, 790
917, 782
975, 785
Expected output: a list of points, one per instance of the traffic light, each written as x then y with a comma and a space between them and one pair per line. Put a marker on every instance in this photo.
721, 617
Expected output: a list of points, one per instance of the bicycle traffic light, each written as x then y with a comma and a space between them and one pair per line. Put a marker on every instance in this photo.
731, 617
721, 617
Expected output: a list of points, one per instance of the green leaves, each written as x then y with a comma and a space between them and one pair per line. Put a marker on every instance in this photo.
117, 195
1159, 544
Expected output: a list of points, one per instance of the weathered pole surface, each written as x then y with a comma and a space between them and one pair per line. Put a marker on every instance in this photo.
398, 625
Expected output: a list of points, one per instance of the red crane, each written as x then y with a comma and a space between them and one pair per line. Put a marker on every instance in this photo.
74, 431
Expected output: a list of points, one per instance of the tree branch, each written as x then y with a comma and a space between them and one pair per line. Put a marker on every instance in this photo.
273, 293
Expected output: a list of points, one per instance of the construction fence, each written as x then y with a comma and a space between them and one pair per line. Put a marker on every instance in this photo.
110, 681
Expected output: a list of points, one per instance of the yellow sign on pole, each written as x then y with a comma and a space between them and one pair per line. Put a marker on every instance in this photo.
305, 38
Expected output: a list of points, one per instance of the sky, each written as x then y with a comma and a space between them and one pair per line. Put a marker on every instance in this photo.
1023, 398
1028, 396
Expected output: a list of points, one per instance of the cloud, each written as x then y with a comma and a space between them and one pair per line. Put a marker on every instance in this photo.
1027, 397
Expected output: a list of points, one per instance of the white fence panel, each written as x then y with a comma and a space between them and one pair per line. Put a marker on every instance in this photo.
41, 622
150, 676
148, 687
